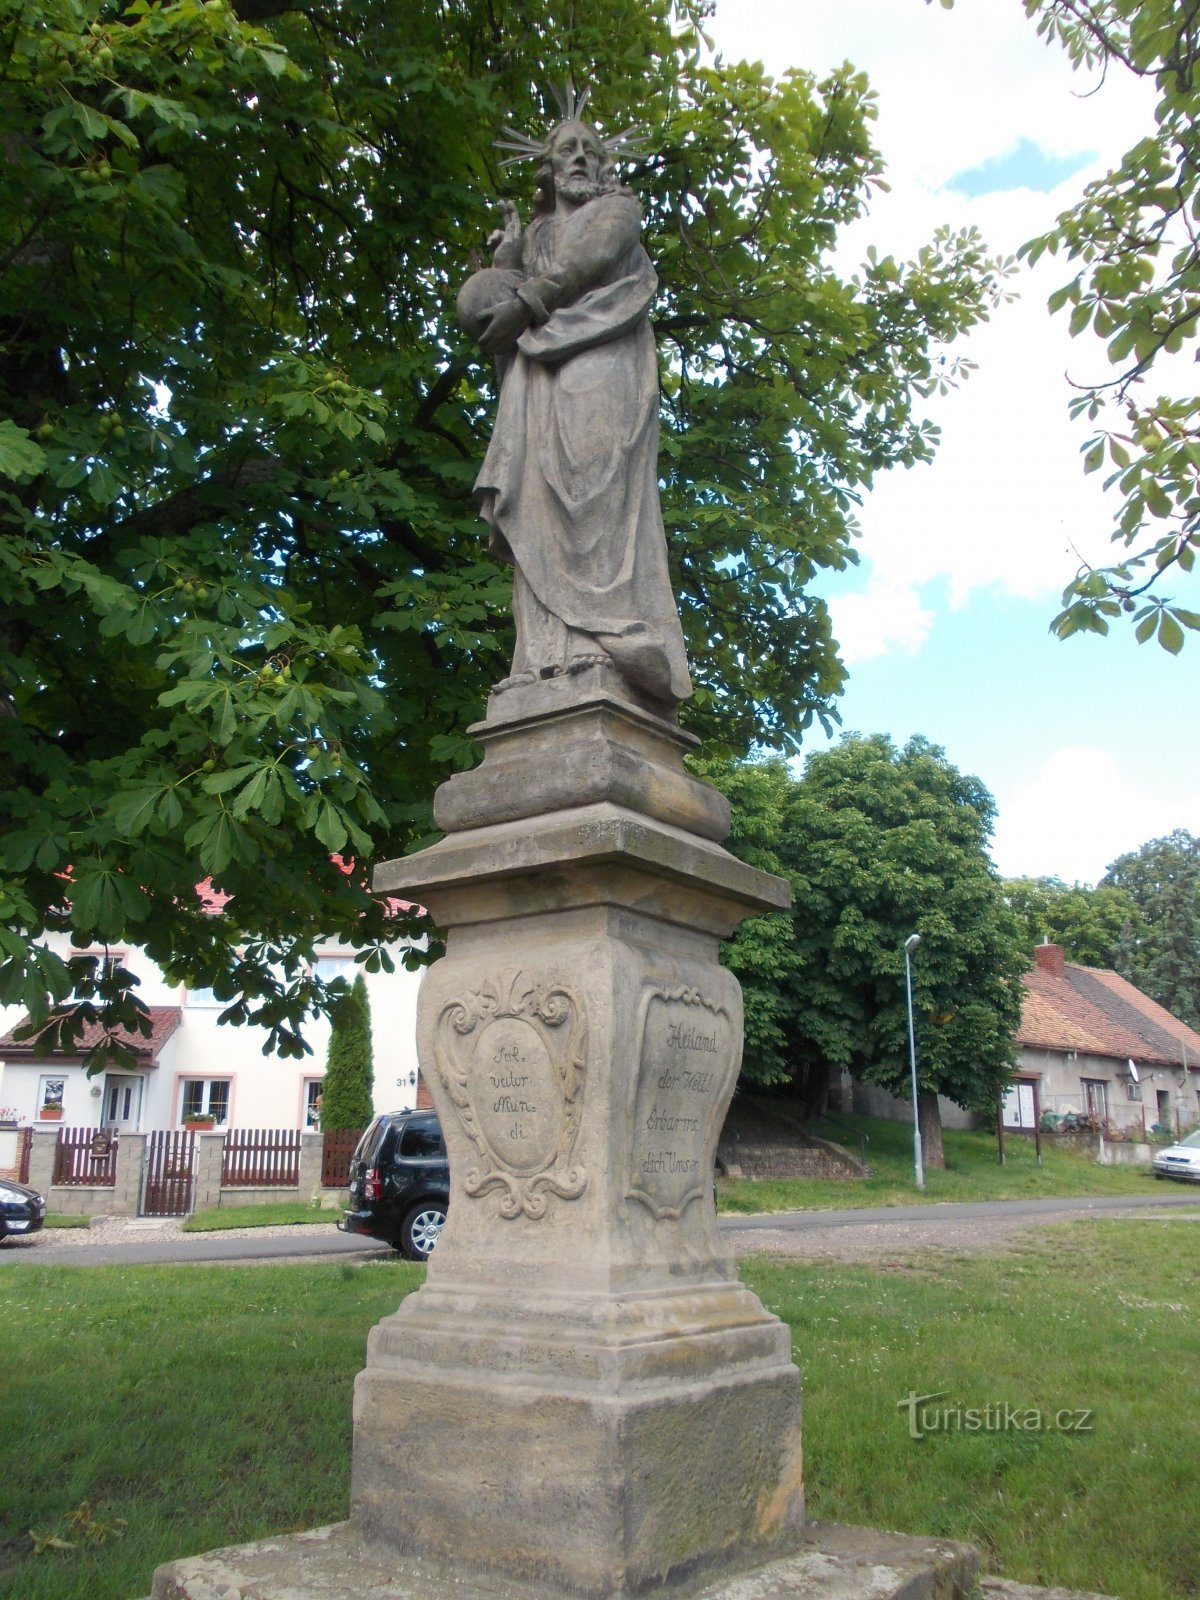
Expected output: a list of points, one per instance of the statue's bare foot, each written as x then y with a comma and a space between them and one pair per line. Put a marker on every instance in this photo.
582, 662
518, 681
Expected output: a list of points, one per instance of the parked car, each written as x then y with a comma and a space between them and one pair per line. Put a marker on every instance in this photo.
400, 1183
22, 1209
1180, 1160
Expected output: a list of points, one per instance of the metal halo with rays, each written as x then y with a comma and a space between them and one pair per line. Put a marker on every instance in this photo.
629, 142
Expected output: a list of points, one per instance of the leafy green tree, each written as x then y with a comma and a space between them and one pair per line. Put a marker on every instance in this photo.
762, 953
346, 1097
1090, 924
880, 843
246, 612
1162, 952
1133, 240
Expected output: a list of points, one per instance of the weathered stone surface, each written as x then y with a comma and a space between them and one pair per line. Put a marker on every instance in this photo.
581, 1356
579, 746
832, 1563
597, 855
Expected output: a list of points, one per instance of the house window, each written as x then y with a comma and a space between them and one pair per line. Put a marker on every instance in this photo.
202, 997
1095, 1098
312, 1102
329, 967
50, 1093
205, 1097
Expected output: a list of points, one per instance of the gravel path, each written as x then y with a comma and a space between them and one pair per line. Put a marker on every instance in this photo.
106, 1231
810, 1236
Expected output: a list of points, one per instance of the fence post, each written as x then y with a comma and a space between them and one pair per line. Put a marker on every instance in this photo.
131, 1161
41, 1160
312, 1144
210, 1162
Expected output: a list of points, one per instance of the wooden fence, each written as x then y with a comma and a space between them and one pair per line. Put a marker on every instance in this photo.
170, 1158
86, 1156
262, 1158
335, 1156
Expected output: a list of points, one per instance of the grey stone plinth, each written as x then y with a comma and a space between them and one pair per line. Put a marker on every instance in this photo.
590, 747
337, 1563
597, 855
582, 1392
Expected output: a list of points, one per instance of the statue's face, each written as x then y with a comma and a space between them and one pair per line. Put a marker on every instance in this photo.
575, 157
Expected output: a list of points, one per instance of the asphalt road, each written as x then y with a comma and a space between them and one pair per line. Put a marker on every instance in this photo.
862, 1234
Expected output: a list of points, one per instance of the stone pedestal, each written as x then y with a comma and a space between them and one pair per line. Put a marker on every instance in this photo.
582, 1400
582, 1392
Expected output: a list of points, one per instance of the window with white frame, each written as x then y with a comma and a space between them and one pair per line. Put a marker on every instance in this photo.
312, 1102
50, 1093
334, 964
202, 998
205, 1097
1095, 1098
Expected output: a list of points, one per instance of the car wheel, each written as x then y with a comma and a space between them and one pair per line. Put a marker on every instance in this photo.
421, 1228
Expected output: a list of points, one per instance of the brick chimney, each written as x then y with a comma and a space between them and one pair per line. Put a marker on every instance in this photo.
1049, 958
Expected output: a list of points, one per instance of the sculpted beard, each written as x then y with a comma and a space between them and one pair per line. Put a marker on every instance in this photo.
577, 188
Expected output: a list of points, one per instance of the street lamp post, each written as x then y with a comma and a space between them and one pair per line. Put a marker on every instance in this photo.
910, 944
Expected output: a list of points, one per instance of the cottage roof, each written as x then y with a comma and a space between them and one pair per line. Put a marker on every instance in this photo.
163, 1022
1099, 1013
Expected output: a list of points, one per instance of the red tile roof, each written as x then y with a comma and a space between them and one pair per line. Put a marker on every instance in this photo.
163, 1022
1101, 1014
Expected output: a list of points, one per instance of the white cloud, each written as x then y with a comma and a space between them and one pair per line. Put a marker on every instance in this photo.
1075, 816
882, 618
1006, 504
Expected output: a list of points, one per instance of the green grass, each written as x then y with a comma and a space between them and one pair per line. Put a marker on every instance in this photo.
1102, 1317
189, 1407
972, 1173
60, 1219
264, 1216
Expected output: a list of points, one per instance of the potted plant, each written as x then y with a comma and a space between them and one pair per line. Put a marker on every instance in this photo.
199, 1121
50, 1114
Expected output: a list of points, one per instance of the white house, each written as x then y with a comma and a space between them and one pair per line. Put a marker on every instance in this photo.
191, 1064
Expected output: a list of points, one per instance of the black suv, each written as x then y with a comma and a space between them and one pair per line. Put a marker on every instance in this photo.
400, 1183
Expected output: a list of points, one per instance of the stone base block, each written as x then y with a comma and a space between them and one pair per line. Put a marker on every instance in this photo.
337, 1563
603, 1443
603, 1495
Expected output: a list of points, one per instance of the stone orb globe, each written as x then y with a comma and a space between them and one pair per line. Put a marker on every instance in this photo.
482, 291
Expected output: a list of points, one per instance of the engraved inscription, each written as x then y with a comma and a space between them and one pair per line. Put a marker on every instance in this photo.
688, 1059
520, 1101
512, 1055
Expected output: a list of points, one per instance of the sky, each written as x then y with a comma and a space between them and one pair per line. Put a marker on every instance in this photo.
1088, 745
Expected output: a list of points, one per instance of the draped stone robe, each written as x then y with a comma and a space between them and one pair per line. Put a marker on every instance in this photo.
569, 485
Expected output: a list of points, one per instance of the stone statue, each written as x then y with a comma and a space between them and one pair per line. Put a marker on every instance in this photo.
569, 485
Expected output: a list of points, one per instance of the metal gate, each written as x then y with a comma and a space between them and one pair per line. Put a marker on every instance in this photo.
170, 1159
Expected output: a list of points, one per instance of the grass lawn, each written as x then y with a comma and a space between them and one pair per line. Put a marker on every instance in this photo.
150, 1413
60, 1219
264, 1216
972, 1173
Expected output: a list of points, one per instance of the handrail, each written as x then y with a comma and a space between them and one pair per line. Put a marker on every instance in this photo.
863, 1138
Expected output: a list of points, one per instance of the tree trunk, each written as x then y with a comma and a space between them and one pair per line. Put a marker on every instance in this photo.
930, 1116
816, 1089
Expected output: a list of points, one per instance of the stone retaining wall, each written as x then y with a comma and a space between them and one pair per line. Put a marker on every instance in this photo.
762, 1140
